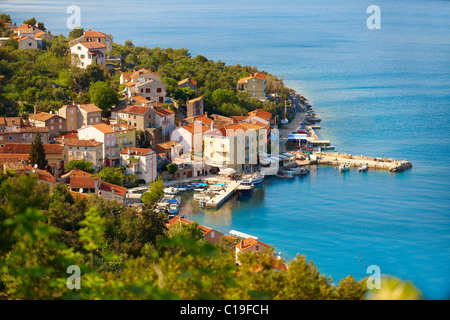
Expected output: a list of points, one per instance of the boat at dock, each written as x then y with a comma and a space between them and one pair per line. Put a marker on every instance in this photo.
255, 177
363, 168
287, 174
344, 167
300, 171
245, 185
171, 190
173, 207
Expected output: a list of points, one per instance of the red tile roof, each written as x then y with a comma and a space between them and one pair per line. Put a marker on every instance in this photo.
164, 112
103, 127
82, 143
257, 75
136, 151
112, 188
194, 100
137, 109
90, 107
95, 34
191, 127
188, 80
260, 114
25, 148
83, 182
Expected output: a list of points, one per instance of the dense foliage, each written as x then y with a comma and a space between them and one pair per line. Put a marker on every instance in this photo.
126, 255
47, 79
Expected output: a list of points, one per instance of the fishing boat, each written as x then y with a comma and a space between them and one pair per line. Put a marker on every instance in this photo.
245, 185
202, 202
363, 168
171, 190
344, 167
173, 206
287, 174
300, 171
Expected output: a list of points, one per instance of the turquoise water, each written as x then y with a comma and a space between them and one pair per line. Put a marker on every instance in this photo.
378, 92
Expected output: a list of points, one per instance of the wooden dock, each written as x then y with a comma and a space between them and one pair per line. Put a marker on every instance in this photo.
223, 195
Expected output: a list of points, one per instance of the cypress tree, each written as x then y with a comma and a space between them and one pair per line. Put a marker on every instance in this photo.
37, 153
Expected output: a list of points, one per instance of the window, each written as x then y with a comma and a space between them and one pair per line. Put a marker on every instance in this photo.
79, 48
142, 90
81, 56
158, 90
147, 90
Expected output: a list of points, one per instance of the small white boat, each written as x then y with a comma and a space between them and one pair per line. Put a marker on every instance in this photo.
257, 178
300, 171
363, 168
174, 207
245, 185
287, 174
344, 167
202, 202
170, 190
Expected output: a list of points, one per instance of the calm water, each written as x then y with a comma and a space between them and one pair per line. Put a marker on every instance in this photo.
379, 92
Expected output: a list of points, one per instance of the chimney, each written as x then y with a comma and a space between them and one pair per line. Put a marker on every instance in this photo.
35, 109
206, 113
242, 244
212, 125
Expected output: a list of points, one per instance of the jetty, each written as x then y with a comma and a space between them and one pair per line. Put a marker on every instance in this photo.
337, 159
223, 195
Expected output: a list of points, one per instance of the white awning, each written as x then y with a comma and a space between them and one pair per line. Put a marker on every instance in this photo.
227, 171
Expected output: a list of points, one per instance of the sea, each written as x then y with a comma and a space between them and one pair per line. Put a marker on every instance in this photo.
380, 92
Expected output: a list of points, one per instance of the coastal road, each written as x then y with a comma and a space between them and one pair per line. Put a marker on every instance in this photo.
286, 130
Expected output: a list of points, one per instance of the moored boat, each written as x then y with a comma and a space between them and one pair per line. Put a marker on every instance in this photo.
287, 174
173, 206
245, 185
363, 168
300, 171
344, 167
171, 190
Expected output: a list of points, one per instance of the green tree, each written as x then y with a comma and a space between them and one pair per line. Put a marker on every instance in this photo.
172, 168
92, 233
76, 33
31, 21
5, 18
154, 193
37, 153
83, 165
103, 96
111, 175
